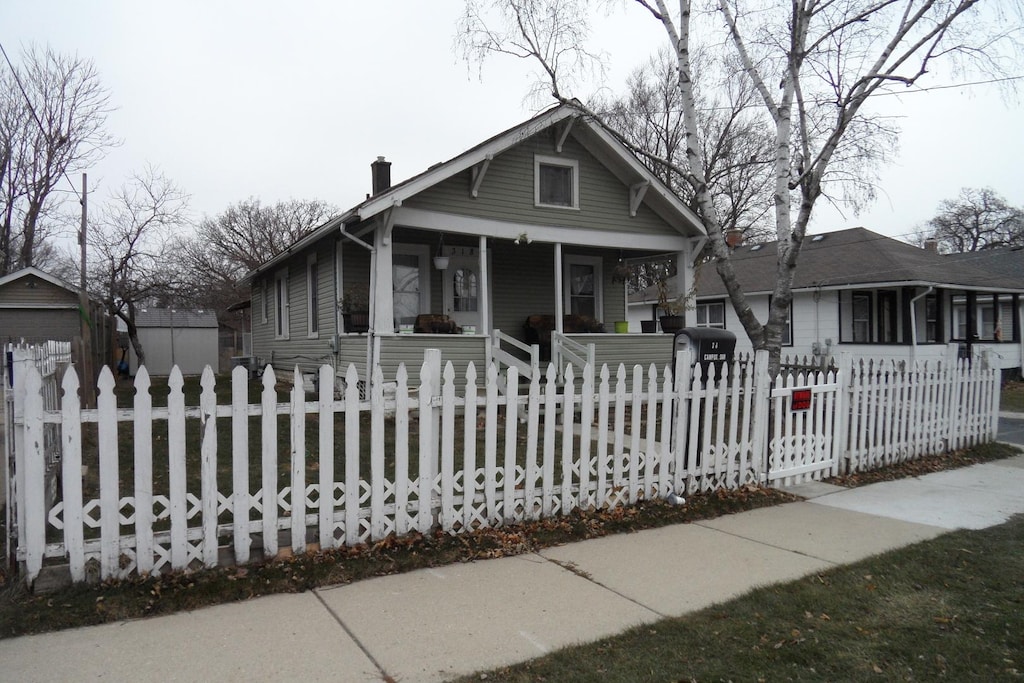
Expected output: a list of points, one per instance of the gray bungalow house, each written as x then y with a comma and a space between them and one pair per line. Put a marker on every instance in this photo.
524, 234
876, 297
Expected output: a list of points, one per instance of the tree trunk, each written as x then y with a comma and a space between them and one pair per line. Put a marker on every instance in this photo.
133, 334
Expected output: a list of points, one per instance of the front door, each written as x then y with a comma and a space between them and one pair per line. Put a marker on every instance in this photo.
462, 288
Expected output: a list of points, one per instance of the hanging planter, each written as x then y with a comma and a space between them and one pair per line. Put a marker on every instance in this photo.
441, 261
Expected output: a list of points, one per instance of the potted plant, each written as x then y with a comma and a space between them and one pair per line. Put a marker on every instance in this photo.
355, 308
673, 306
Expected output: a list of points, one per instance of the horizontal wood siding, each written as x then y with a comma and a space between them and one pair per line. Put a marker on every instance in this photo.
507, 192
629, 349
33, 291
409, 348
524, 284
352, 350
308, 353
58, 325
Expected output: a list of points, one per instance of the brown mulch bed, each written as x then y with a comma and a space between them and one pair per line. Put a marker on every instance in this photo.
934, 463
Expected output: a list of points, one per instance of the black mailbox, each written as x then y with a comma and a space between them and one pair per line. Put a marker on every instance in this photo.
707, 345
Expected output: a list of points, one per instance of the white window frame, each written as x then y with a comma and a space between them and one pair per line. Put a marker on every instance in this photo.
541, 160
265, 300
282, 305
422, 254
706, 305
598, 264
312, 298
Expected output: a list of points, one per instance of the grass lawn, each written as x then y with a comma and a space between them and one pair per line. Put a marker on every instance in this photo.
951, 608
1012, 397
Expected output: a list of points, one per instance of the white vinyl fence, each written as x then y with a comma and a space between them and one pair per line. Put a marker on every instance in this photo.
149, 489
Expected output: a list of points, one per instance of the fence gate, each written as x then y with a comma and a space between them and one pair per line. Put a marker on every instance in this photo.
806, 427
51, 359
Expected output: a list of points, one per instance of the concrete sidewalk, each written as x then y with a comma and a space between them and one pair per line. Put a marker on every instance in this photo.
432, 625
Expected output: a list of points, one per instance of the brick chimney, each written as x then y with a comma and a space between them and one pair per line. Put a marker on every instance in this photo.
734, 238
931, 244
381, 171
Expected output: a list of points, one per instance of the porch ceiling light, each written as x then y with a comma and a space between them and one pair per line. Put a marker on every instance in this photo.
441, 261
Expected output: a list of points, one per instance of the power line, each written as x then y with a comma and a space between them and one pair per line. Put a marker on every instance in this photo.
910, 91
35, 116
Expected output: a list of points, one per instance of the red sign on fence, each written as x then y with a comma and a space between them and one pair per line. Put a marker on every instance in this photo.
801, 400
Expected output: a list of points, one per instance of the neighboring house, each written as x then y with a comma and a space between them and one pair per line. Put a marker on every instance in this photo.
169, 337
529, 224
855, 290
36, 306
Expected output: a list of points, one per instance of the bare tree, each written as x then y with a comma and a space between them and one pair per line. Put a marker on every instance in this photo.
131, 247
737, 147
230, 244
53, 112
814, 64
977, 219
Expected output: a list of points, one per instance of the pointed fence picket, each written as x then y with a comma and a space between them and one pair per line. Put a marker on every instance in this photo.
587, 440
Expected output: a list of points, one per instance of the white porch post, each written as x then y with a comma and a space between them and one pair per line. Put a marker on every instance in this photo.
559, 288
485, 290
382, 311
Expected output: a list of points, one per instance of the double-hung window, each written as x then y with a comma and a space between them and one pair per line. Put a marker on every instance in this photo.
312, 297
410, 275
583, 278
556, 182
861, 317
711, 314
281, 304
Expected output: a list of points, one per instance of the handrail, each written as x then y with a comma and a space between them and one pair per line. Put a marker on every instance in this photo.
527, 369
580, 355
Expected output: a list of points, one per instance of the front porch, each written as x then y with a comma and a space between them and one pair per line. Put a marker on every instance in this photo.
389, 351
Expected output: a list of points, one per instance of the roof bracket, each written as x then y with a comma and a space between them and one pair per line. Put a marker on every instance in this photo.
479, 171
636, 195
388, 223
565, 133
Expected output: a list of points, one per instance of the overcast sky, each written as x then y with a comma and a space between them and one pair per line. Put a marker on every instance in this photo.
280, 100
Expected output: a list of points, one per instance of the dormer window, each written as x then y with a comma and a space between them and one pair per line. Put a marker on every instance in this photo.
556, 182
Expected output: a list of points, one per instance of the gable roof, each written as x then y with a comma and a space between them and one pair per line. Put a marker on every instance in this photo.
175, 317
856, 256
42, 275
600, 142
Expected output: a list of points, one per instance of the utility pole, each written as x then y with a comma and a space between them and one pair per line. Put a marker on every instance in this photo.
87, 376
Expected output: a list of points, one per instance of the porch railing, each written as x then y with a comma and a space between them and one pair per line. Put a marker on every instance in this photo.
527, 368
566, 351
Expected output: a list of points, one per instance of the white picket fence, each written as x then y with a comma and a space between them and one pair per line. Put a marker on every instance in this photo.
447, 452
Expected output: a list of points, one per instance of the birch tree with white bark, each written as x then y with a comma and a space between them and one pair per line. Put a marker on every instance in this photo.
815, 65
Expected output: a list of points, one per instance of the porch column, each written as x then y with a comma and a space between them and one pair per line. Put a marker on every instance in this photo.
684, 277
559, 288
382, 303
484, 292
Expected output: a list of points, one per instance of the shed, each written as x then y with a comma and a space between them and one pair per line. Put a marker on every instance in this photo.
173, 336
